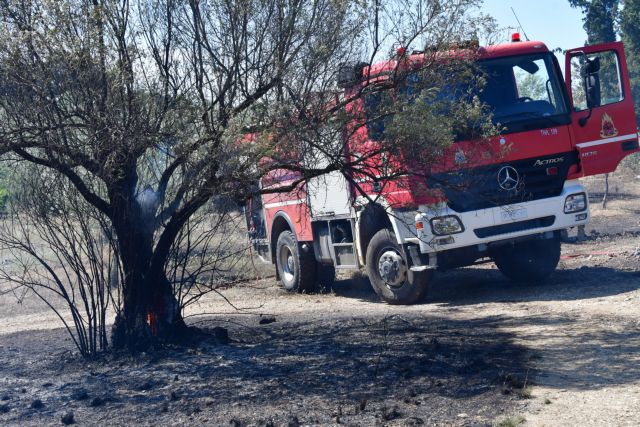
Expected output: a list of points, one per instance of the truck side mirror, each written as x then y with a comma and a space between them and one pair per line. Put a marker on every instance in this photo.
592, 90
350, 74
590, 73
590, 66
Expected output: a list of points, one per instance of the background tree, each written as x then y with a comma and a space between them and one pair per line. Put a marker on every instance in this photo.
630, 35
4, 188
149, 109
599, 19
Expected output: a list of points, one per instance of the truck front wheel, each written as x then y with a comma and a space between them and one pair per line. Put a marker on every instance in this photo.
296, 268
528, 261
389, 271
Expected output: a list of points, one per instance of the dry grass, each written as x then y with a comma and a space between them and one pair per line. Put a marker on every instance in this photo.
511, 421
525, 392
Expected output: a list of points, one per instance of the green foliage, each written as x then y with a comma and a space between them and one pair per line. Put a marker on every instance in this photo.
4, 188
532, 86
525, 392
511, 421
632, 163
630, 34
599, 19
433, 108
4, 194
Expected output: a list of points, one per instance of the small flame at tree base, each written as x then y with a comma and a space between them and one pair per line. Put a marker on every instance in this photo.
152, 322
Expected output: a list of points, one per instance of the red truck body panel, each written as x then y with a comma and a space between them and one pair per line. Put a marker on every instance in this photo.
597, 146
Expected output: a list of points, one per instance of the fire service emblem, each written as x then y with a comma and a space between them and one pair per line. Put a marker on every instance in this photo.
608, 127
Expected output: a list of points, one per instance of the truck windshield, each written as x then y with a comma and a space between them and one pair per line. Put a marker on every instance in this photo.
520, 92
523, 90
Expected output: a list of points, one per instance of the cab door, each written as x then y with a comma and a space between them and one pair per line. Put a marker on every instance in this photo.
603, 118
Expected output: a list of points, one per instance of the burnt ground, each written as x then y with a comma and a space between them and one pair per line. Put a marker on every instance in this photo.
479, 351
402, 370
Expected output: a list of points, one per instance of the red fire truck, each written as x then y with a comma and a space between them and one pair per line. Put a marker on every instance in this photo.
511, 208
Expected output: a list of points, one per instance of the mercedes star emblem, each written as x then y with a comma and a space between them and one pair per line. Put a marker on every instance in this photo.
508, 178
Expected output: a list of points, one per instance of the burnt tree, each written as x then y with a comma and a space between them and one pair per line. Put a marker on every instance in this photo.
143, 107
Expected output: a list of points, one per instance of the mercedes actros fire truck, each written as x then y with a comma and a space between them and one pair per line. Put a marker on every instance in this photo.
554, 131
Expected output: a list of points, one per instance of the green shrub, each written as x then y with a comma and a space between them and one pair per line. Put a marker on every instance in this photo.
4, 188
511, 421
632, 163
4, 195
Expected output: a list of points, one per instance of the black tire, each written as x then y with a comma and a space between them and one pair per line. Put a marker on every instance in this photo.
296, 268
326, 275
401, 285
528, 261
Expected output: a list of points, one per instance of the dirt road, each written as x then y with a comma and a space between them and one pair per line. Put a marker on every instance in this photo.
480, 351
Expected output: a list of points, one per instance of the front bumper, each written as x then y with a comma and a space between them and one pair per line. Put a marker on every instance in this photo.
500, 223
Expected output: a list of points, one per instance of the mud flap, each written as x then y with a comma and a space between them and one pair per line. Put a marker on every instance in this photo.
418, 261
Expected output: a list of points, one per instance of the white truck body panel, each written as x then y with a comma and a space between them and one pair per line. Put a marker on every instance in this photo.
553, 206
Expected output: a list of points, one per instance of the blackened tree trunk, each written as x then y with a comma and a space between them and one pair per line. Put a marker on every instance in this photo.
150, 312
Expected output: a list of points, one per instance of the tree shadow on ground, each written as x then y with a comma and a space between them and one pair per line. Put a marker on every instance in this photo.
361, 369
367, 368
356, 287
470, 286
473, 285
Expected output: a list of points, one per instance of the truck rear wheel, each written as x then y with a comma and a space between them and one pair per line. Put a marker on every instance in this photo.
296, 268
528, 261
389, 272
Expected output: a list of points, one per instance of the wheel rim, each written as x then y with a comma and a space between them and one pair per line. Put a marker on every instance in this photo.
392, 268
288, 264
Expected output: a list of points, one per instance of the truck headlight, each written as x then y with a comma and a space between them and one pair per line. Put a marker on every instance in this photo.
444, 225
575, 203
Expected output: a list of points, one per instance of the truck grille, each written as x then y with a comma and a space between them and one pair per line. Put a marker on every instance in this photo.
478, 188
515, 227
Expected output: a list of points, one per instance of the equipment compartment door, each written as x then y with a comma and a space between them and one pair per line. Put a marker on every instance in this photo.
603, 117
329, 195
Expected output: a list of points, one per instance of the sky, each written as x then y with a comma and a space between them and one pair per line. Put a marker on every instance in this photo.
553, 22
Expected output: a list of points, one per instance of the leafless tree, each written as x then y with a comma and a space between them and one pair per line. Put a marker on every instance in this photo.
62, 252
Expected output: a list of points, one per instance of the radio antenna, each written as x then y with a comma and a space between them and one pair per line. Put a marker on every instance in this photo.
521, 27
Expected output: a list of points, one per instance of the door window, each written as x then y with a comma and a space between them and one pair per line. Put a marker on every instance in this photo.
607, 80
